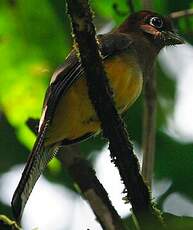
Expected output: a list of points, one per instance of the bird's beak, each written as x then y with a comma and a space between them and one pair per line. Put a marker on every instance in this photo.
171, 38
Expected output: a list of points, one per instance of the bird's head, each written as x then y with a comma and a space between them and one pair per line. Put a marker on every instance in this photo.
156, 28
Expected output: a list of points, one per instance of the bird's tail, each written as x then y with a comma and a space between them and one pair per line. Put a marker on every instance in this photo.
38, 160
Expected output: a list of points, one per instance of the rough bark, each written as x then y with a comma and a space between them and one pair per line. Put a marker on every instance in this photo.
113, 127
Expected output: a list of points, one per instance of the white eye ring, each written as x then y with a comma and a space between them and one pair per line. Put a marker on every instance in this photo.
156, 22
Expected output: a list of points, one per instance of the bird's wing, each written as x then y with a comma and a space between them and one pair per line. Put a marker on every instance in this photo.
109, 44
62, 79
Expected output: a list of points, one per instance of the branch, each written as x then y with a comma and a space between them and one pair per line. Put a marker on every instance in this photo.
175, 16
149, 122
84, 176
91, 187
113, 127
149, 119
149, 126
181, 14
7, 224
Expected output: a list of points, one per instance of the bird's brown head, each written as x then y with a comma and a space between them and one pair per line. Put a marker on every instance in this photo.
153, 26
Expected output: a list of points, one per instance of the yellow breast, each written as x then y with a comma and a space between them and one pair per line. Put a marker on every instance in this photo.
125, 78
75, 115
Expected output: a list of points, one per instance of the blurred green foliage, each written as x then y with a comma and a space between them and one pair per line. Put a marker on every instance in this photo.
35, 37
7, 224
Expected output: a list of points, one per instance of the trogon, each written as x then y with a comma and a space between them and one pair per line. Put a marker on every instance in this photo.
128, 53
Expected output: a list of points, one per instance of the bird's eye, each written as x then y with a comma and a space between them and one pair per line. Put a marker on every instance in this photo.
156, 22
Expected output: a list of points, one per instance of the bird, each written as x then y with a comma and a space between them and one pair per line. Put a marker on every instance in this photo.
128, 52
